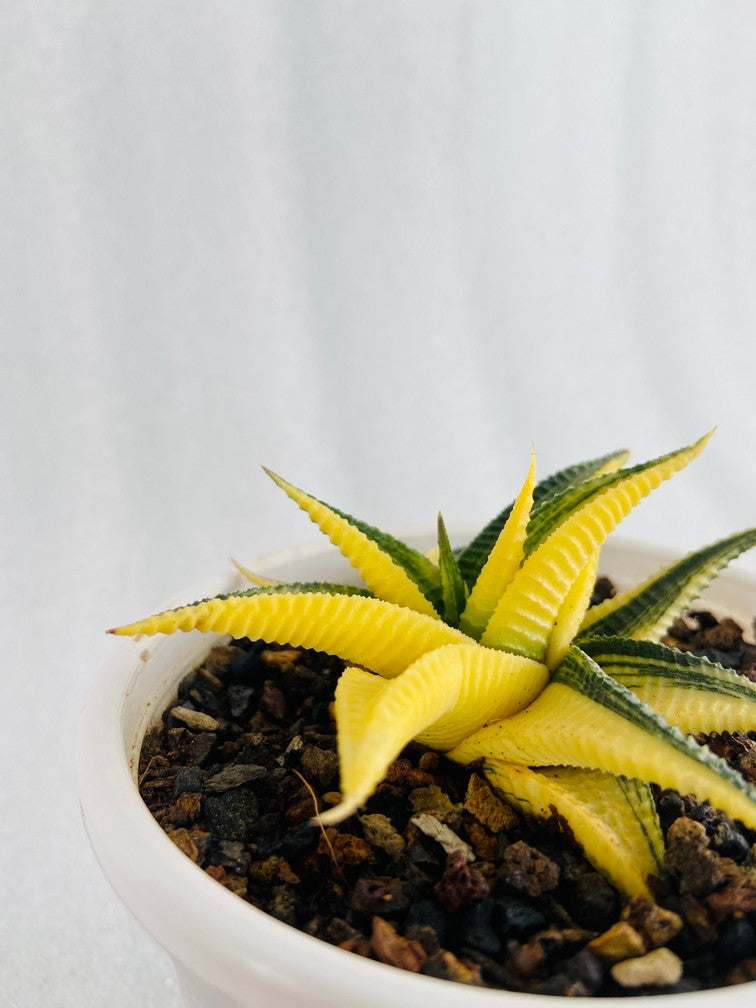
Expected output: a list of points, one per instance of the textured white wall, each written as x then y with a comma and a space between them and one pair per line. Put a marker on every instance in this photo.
379, 247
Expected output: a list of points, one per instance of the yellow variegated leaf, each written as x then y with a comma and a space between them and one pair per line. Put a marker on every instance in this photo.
502, 563
494, 685
526, 613
356, 692
439, 700
645, 612
585, 719
691, 692
571, 612
250, 575
384, 577
367, 631
612, 818
475, 554
612, 464
393, 718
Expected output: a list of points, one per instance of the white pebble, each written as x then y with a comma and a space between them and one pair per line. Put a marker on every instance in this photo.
660, 968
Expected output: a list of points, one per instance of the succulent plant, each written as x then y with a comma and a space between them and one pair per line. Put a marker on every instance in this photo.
492, 654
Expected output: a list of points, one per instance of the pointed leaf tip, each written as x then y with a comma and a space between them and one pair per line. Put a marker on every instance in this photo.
337, 814
473, 557
502, 561
453, 592
340, 620
278, 480
250, 575
646, 610
524, 617
391, 569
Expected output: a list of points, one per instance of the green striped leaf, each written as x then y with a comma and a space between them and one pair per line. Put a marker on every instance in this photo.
524, 617
648, 610
299, 587
696, 694
294, 588
472, 558
640, 801
550, 513
453, 589
391, 568
586, 718
554, 511
418, 567
502, 562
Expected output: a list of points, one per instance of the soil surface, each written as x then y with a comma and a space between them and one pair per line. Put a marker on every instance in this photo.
436, 874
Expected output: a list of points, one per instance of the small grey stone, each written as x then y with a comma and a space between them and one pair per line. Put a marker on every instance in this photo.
232, 855
231, 816
192, 748
234, 776
379, 832
320, 765
187, 779
441, 833
295, 746
194, 719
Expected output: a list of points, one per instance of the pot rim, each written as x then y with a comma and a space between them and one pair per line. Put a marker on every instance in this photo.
230, 944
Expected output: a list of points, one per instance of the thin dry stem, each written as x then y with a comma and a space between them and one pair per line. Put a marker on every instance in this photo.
327, 839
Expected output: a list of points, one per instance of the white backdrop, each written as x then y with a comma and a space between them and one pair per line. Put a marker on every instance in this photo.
380, 248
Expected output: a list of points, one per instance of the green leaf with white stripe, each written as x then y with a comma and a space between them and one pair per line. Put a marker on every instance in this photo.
645, 612
472, 558
697, 695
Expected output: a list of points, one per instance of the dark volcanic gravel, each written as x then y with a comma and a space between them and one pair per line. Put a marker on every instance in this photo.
232, 773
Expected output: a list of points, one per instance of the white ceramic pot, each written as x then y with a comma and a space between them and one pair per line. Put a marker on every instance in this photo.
228, 954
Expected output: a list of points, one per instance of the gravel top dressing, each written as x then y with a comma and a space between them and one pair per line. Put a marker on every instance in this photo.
437, 874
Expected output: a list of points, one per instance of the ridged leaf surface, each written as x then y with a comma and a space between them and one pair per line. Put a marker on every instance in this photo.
613, 818
554, 511
366, 631
472, 558
392, 570
647, 611
502, 563
585, 718
439, 700
525, 615
571, 611
693, 693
